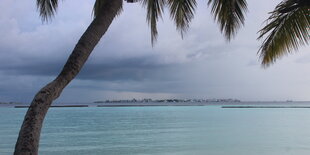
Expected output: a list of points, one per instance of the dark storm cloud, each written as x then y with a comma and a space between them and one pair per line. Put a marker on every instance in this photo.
139, 68
129, 69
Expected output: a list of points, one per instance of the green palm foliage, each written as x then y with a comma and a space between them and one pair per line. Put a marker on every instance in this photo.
182, 12
228, 13
287, 29
154, 11
47, 8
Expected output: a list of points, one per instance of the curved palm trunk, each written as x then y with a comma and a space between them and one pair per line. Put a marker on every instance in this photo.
29, 135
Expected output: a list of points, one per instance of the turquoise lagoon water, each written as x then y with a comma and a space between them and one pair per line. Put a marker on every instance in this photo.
197, 130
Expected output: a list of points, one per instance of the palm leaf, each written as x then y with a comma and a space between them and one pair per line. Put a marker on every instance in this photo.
154, 11
47, 8
182, 12
287, 28
229, 14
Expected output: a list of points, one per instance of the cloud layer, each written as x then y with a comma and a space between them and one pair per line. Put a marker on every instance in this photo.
125, 65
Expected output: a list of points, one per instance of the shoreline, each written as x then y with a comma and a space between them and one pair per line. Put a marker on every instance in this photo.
251, 107
150, 104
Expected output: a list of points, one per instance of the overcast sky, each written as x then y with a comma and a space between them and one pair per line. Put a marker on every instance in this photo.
124, 65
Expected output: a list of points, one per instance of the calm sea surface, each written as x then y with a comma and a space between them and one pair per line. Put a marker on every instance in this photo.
196, 130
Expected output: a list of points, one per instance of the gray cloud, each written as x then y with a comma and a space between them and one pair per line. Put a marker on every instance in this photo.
125, 65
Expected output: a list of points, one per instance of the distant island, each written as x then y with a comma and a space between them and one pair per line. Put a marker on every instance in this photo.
168, 101
9, 103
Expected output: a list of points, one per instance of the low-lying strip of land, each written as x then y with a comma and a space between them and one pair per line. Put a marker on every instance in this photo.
146, 105
168, 104
55, 106
265, 106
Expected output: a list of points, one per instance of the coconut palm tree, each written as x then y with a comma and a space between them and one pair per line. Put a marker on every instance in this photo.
228, 13
287, 29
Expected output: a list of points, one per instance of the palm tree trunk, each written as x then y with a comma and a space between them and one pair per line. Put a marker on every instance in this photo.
29, 135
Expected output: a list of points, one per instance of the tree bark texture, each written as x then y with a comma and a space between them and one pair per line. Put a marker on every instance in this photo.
29, 135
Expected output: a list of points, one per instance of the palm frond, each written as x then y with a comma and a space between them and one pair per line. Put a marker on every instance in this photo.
47, 8
229, 14
99, 3
290, 5
287, 29
182, 12
154, 11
